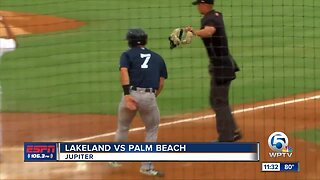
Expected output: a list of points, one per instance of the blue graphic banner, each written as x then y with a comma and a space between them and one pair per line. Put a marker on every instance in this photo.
138, 152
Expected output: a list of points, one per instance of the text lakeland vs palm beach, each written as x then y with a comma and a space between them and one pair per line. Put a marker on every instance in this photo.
124, 148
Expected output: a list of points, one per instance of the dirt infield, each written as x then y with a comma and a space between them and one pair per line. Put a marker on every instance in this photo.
257, 120
27, 23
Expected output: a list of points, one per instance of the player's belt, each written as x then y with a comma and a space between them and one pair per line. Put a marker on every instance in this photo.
143, 89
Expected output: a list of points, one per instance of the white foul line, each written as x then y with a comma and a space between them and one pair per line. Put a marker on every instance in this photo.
203, 117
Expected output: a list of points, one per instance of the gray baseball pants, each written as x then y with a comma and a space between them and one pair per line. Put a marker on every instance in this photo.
150, 115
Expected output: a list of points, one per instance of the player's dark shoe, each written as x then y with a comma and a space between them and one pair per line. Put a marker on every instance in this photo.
237, 135
152, 172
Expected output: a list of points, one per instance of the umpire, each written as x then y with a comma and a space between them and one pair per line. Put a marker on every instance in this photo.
222, 68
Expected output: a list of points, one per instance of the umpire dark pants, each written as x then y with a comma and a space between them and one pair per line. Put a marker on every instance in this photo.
219, 101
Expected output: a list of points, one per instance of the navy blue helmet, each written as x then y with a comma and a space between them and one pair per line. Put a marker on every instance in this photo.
136, 37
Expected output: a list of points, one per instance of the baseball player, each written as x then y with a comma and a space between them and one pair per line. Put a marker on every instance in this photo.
8, 40
142, 74
222, 68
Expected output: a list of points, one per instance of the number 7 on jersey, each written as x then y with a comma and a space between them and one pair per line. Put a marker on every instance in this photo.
146, 58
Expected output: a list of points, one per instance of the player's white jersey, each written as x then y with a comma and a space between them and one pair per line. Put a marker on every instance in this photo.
7, 45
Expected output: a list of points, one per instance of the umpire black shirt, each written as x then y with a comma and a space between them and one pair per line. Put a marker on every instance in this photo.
222, 65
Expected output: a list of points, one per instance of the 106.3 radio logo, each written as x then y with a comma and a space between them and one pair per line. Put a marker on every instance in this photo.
278, 142
40, 151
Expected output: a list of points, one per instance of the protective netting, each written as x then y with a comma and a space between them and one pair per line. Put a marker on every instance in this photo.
62, 82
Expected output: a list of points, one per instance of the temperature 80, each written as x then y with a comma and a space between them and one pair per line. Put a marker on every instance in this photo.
288, 166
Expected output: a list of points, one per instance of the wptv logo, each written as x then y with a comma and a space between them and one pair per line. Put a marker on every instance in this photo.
278, 142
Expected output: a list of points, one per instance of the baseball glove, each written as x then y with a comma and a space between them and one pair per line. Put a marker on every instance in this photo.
180, 36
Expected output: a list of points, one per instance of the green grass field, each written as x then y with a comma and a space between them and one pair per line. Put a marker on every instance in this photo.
311, 135
275, 43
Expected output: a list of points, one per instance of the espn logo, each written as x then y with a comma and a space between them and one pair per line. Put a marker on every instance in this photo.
40, 148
